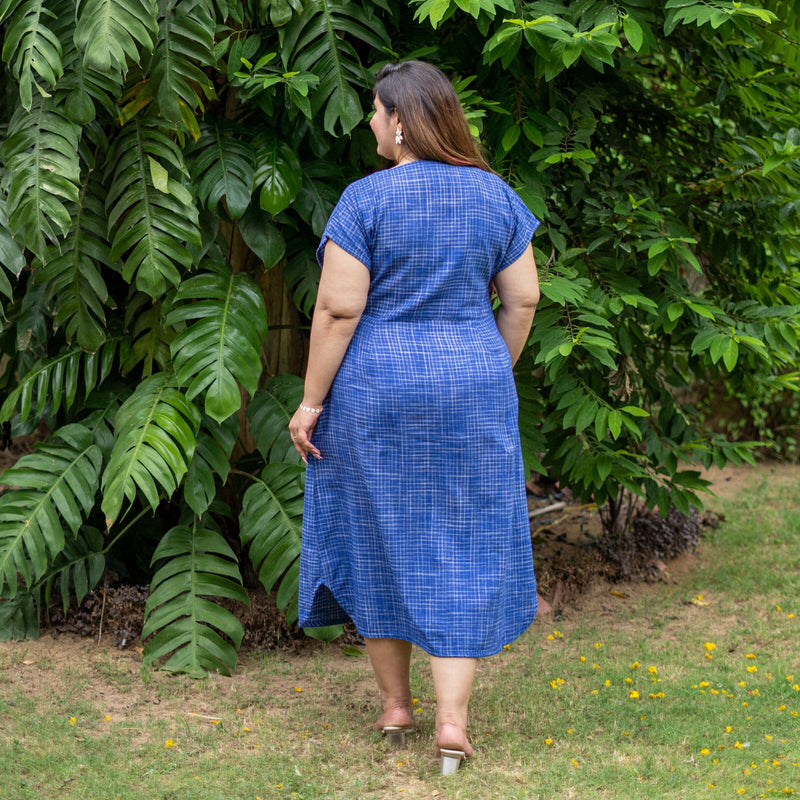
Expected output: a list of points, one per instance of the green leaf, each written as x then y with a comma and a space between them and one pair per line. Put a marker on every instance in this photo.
633, 32
80, 566
278, 174
318, 40
269, 413
113, 33
199, 563
73, 279
262, 236
185, 46
42, 174
270, 525
222, 346
155, 434
150, 227
33, 50
58, 379
222, 164
55, 489
211, 460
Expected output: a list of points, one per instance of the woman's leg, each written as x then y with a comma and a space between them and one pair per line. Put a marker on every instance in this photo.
391, 663
452, 682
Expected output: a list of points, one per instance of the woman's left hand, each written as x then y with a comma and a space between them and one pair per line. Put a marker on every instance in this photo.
301, 428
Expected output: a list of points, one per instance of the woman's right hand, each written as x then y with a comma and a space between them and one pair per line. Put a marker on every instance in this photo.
301, 428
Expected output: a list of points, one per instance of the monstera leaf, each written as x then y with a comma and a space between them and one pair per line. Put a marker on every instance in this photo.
197, 564
271, 526
151, 215
185, 46
211, 458
113, 33
269, 413
222, 346
31, 48
318, 40
42, 174
55, 489
55, 381
222, 165
155, 434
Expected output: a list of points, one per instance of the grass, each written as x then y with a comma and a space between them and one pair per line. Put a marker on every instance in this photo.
687, 689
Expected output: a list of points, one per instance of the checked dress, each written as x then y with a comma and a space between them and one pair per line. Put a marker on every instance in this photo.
415, 523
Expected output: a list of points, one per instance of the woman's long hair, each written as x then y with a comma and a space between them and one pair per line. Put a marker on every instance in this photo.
434, 125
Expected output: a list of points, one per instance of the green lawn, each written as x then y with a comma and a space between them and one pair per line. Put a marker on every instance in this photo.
684, 689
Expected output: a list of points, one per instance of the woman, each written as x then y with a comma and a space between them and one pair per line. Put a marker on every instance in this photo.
415, 523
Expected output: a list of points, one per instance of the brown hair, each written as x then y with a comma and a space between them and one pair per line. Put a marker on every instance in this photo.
434, 125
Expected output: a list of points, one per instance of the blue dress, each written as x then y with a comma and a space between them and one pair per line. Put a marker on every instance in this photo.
415, 524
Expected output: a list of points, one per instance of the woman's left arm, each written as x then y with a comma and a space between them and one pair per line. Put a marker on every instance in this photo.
341, 299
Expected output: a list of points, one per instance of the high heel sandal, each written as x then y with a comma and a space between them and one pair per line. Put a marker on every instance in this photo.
450, 760
396, 734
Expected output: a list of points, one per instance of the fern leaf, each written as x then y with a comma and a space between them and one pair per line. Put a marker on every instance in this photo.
223, 343
32, 49
56, 380
110, 33
223, 166
318, 41
150, 226
56, 484
154, 439
269, 413
42, 175
271, 526
73, 279
200, 565
212, 457
185, 46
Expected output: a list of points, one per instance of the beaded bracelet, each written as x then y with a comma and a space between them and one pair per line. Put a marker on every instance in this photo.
310, 408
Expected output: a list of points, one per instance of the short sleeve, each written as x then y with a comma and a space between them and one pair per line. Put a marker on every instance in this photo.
522, 225
347, 228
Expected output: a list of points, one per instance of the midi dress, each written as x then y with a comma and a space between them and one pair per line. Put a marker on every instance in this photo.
415, 522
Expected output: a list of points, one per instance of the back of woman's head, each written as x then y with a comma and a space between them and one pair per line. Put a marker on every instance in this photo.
434, 125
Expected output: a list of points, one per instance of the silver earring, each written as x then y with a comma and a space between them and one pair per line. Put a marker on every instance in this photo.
398, 136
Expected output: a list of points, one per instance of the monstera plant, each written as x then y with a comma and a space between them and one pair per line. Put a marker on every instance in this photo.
167, 168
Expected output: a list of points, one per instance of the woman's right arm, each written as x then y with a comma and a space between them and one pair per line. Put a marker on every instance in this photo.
341, 299
518, 289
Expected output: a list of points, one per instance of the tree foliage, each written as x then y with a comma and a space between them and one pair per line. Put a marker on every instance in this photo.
158, 160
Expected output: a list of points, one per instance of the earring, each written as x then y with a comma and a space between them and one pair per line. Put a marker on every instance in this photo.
398, 136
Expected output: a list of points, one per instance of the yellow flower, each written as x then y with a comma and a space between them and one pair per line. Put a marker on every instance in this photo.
574, 762
298, 689
633, 694
705, 752
550, 637
414, 701
506, 647
558, 634
583, 659
72, 720
728, 729
169, 743
106, 718
704, 684
598, 645
709, 646
753, 668
548, 742
628, 680
635, 665
750, 655
608, 682
652, 670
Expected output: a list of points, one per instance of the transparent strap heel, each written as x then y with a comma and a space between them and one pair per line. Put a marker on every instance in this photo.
451, 760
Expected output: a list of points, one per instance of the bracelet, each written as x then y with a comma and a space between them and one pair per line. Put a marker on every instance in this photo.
310, 408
